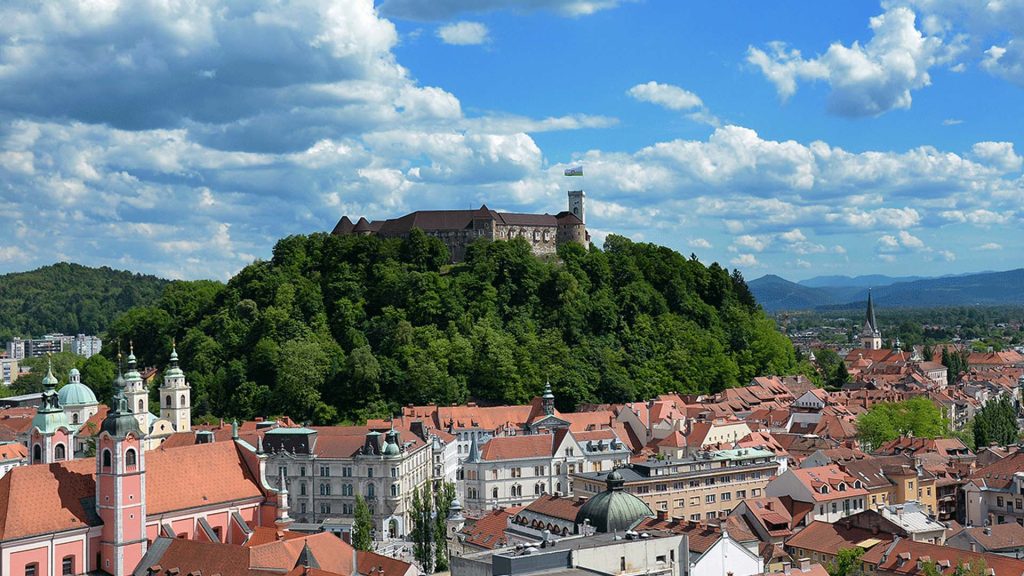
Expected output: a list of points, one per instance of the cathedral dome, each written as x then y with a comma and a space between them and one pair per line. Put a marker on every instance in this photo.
76, 394
614, 509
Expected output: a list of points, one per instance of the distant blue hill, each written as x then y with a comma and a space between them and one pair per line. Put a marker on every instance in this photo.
867, 281
983, 289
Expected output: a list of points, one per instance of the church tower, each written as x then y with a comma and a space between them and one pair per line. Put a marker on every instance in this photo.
870, 336
176, 396
136, 392
121, 487
51, 439
576, 204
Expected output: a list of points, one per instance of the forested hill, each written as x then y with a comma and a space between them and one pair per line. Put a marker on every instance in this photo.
336, 328
70, 298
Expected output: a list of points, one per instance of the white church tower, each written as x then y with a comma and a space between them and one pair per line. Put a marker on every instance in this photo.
176, 396
136, 392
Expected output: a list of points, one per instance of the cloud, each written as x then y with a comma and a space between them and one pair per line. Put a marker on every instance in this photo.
747, 260
990, 246
434, 10
463, 33
793, 236
908, 240
699, 243
755, 243
667, 95
952, 122
865, 80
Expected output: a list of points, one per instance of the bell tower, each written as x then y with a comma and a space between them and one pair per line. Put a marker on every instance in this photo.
870, 335
136, 392
121, 489
576, 204
176, 396
51, 439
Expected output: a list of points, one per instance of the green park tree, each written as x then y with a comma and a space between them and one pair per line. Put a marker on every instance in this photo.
362, 526
889, 420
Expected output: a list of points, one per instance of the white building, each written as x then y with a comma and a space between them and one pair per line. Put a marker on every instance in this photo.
834, 493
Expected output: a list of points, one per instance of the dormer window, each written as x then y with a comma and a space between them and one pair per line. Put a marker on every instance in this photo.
842, 486
824, 489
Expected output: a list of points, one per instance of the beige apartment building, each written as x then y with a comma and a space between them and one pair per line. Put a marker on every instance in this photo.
704, 486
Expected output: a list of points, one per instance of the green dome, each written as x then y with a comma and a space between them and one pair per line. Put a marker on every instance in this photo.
391, 449
614, 509
76, 394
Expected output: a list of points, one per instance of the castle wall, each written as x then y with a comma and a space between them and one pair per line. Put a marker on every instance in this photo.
543, 239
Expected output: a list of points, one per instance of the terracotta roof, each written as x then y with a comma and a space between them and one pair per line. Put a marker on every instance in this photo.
812, 570
701, 536
15, 422
373, 564
826, 538
40, 498
91, 427
555, 507
513, 447
13, 451
868, 471
489, 532
772, 514
998, 536
332, 553
902, 557
999, 474
831, 475
190, 556
267, 534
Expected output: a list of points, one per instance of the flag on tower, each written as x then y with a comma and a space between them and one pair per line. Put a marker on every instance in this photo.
577, 171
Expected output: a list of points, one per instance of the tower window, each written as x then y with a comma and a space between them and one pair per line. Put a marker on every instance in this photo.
59, 452
74, 418
183, 402
129, 458
37, 454
67, 566
167, 401
106, 458
142, 406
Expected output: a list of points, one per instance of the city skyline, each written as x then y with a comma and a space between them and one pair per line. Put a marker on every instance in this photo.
799, 139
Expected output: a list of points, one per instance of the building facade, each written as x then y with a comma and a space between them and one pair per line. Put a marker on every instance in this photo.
706, 486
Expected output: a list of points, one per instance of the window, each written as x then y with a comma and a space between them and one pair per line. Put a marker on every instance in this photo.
834, 508
302, 470
711, 515
167, 401
394, 472
346, 471
302, 507
517, 473
371, 491
346, 489
694, 483
346, 508
494, 492
325, 489
369, 472
741, 494
302, 489
59, 452
695, 517
494, 474
37, 454
130, 460
282, 471
106, 458
999, 501
756, 492
709, 481
695, 501
183, 401
726, 496
67, 566
74, 418
325, 470
709, 499
394, 490
32, 569
325, 508
142, 406
536, 489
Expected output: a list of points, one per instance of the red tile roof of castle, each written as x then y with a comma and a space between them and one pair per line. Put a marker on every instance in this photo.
52, 498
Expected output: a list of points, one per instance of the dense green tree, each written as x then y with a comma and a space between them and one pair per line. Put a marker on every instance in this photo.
847, 562
423, 525
443, 498
995, 423
889, 420
362, 525
349, 327
956, 363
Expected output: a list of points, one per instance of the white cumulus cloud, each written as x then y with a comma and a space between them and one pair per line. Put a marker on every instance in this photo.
667, 95
463, 33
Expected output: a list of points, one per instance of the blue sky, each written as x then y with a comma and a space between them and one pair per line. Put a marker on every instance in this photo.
796, 138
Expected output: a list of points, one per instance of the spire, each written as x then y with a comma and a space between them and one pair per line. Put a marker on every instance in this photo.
870, 321
173, 371
548, 399
474, 451
49, 380
234, 429
283, 520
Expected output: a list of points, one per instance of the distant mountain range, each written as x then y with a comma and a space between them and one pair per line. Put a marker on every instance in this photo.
983, 289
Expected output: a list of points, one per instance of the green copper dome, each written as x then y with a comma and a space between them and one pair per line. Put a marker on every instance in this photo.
50, 416
391, 449
614, 509
76, 394
120, 420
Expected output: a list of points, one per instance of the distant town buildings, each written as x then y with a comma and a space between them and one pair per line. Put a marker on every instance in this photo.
81, 344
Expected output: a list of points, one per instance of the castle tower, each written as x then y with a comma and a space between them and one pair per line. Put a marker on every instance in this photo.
136, 392
51, 439
576, 204
176, 396
121, 488
870, 336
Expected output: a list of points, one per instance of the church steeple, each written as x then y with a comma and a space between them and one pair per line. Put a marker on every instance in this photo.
51, 438
176, 395
870, 335
548, 399
135, 391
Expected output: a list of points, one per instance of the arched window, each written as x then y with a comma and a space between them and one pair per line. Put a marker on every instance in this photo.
37, 454
167, 401
67, 566
142, 406
106, 458
183, 401
370, 491
74, 418
129, 458
32, 569
59, 452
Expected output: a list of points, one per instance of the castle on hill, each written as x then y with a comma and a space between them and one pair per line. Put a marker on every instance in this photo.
458, 228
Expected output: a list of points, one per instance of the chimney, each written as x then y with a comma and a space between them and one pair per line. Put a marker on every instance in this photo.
988, 530
662, 515
768, 505
805, 564
786, 567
